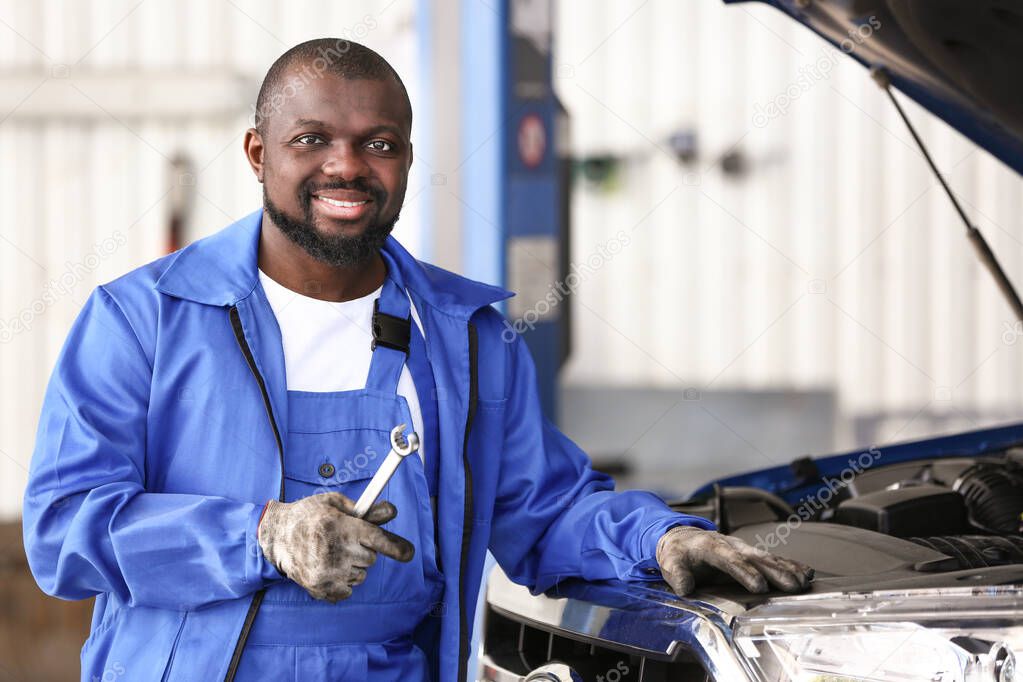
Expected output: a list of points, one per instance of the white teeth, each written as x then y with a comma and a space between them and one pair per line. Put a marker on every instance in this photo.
346, 204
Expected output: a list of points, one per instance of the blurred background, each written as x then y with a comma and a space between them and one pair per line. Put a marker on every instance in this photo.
727, 249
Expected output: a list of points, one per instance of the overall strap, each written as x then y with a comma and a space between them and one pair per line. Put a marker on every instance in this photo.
392, 323
400, 336
426, 391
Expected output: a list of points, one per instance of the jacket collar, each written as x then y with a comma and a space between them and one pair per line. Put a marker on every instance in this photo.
222, 269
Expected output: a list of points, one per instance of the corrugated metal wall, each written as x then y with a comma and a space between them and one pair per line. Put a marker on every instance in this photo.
834, 262
84, 196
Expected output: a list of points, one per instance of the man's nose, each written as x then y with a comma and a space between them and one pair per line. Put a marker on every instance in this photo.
345, 161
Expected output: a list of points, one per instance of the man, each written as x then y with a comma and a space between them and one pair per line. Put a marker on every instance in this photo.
213, 415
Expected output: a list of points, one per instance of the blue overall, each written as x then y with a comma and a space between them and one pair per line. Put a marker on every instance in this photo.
335, 442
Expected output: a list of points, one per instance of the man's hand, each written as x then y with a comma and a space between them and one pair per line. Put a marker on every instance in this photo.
317, 542
685, 552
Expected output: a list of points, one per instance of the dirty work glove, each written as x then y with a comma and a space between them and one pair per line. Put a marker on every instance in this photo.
317, 542
685, 553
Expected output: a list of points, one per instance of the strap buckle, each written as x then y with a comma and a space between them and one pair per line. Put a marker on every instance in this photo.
390, 331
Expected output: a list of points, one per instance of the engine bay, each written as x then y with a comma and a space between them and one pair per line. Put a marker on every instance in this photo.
926, 517
939, 520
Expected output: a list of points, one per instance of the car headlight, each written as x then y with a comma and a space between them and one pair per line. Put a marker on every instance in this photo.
939, 635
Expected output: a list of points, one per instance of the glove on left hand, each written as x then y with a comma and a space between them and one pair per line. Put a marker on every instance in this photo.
685, 552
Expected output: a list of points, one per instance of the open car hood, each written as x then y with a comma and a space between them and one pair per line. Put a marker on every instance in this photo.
959, 59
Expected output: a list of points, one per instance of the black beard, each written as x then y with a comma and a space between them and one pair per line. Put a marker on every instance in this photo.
335, 250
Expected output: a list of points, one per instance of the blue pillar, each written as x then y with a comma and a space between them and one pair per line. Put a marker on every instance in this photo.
511, 219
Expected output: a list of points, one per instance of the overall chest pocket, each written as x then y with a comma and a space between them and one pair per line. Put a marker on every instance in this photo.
336, 441
334, 461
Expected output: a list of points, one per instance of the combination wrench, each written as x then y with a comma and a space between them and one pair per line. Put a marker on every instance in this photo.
401, 447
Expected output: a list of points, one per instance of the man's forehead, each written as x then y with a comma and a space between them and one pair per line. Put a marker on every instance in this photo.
332, 99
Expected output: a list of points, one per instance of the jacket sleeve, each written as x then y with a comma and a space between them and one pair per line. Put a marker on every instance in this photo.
90, 527
555, 517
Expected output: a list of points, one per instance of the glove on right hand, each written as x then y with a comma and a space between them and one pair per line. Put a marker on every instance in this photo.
317, 542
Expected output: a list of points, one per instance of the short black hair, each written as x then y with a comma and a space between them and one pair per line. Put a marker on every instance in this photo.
340, 57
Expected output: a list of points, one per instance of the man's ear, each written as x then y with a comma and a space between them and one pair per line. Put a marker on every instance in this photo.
254, 149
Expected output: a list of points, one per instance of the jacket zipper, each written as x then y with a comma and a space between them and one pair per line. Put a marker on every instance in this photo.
257, 598
463, 625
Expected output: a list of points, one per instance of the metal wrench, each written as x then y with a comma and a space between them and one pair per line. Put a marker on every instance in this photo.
401, 447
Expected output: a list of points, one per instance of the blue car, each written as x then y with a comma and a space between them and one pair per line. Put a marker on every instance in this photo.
917, 546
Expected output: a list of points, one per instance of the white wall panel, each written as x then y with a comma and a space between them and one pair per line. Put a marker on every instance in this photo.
837, 262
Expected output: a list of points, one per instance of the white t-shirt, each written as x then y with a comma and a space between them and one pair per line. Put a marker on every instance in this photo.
317, 333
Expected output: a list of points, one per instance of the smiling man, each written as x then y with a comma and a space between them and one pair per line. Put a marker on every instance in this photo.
213, 415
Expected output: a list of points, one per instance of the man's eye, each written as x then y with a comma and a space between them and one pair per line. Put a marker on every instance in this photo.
304, 139
381, 145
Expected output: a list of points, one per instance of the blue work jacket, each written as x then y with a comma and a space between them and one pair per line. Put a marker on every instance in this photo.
161, 439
